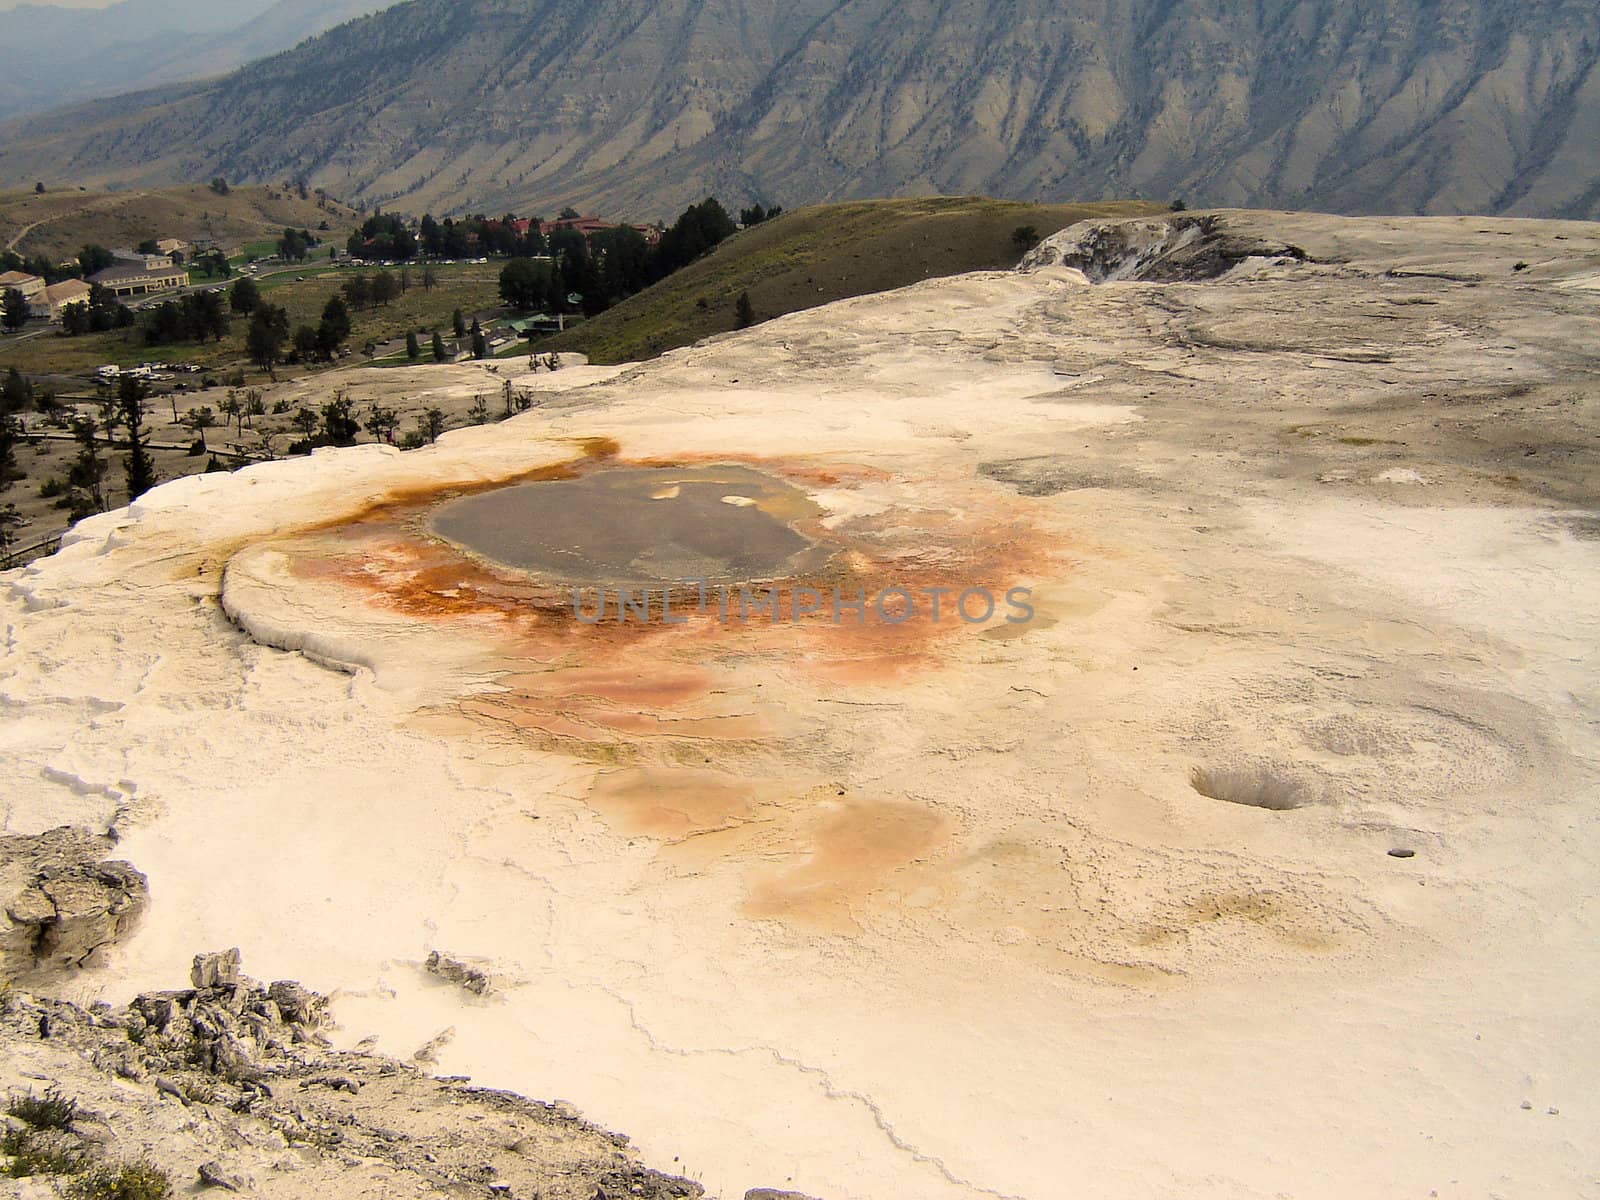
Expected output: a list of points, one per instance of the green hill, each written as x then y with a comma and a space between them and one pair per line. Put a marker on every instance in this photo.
820, 254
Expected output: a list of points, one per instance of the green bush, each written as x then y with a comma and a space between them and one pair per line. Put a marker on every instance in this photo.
49, 1111
129, 1181
39, 1152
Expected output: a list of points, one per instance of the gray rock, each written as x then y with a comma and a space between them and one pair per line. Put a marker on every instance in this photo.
61, 903
213, 1174
299, 1005
339, 1083
638, 1183
428, 1052
455, 971
157, 1008
219, 970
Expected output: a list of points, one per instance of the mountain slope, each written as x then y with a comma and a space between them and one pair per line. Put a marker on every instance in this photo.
638, 107
62, 54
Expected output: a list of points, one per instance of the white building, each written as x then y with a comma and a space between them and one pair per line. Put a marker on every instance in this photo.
134, 280
29, 285
50, 301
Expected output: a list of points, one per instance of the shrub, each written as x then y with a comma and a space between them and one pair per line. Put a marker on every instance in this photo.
129, 1181
40, 1152
49, 1111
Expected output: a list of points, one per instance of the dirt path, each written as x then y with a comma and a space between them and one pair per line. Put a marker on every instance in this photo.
26, 230
119, 197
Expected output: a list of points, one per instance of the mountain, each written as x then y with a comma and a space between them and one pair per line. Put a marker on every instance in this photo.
286, 23
56, 55
639, 106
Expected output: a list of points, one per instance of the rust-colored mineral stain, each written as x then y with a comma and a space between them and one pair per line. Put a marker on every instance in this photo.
401, 501
557, 727
855, 851
714, 728
419, 578
648, 699
671, 802
664, 685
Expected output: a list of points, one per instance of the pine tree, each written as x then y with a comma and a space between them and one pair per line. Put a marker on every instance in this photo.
13, 309
269, 329
334, 327
245, 296
16, 393
744, 312
413, 351
140, 468
438, 347
9, 473
86, 472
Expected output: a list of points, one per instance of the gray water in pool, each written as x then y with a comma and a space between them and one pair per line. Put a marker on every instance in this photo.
638, 525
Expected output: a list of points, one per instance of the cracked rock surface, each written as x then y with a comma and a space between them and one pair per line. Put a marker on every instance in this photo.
62, 902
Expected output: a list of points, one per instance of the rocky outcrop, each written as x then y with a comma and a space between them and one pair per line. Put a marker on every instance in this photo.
216, 970
62, 903
1171, 250
453, 970
238, 1088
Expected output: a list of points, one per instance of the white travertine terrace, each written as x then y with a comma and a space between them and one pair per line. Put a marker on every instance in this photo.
934, 915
